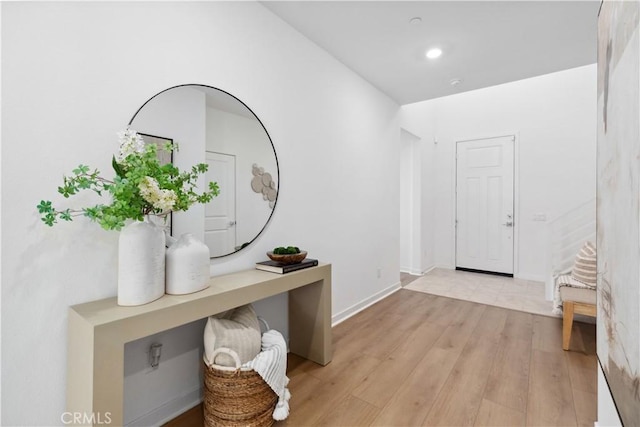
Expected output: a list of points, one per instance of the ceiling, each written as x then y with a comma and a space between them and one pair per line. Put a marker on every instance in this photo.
484, 43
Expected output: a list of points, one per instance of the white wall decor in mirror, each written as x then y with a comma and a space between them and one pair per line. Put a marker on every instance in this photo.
210, 125
262, 182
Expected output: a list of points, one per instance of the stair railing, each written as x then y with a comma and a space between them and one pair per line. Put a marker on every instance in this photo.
565, 236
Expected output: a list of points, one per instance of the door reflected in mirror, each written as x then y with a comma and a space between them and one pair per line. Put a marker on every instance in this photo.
212, 126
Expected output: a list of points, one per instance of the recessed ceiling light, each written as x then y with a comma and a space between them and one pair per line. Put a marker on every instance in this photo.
415, 21
455, 82
434, 53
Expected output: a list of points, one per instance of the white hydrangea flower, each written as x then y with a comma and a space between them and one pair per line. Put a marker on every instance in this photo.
150, 191
130, 142
167, 201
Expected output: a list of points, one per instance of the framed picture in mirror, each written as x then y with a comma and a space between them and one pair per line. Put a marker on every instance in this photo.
164, 157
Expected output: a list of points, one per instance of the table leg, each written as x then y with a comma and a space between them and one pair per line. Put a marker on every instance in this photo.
310, 321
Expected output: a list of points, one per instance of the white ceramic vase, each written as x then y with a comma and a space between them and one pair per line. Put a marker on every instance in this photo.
187, 266
141, 263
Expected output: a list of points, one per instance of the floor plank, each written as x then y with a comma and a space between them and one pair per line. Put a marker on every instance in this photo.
546, 334
194, 417
351, 412
583, 377
461, 396
415, 396
492, 414
509, 378
550, 401
379, 387
330, 391
585, 409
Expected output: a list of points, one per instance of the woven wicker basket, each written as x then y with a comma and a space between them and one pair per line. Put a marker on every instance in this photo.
236, 397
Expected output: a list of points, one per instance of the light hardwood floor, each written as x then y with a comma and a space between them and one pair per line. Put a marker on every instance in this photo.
417, 359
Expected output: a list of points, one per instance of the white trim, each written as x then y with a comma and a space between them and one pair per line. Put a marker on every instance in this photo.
416, 272
454, 203
516, 205
446, 266
367, 302
532, 277
169, 410
486, 136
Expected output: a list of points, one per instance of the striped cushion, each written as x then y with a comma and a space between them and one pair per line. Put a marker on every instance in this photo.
584, 267
239, 331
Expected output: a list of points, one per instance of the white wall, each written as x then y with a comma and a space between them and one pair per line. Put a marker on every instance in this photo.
553, 117
74, 74
406, 200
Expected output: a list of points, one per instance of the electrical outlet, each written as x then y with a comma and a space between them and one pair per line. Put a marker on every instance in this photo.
539, 217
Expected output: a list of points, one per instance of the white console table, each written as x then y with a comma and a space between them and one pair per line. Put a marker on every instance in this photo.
99, 330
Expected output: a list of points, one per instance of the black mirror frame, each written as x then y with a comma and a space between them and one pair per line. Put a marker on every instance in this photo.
265, 131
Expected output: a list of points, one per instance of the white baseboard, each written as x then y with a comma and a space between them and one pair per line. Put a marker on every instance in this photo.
433, 267
416, 272
169, 410
356, 308
446, 266
532, 277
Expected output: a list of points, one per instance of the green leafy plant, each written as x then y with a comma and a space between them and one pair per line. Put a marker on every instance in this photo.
141, 186
285, 251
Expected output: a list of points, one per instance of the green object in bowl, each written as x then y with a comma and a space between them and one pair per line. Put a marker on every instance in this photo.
292, 258
281, 250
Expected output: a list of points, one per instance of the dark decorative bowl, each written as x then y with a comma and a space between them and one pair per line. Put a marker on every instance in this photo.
288, 258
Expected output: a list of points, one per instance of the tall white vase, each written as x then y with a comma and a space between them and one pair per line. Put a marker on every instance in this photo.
187, 266
141, 263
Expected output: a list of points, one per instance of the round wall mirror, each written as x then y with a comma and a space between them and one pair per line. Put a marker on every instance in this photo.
212, 126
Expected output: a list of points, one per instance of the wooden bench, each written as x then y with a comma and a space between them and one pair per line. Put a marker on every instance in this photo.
575, 301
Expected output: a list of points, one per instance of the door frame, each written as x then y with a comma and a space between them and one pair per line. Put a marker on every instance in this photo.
516, 194
235, 199
415, 247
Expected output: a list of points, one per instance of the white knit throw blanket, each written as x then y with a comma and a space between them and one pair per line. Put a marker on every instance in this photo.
271, 365
565, 280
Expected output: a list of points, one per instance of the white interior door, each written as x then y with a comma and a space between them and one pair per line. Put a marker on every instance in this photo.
220, 213
484, 204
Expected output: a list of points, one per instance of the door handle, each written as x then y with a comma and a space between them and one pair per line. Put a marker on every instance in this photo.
232, 223
508, 223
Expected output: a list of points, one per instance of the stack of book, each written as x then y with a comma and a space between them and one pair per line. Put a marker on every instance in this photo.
280, 268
